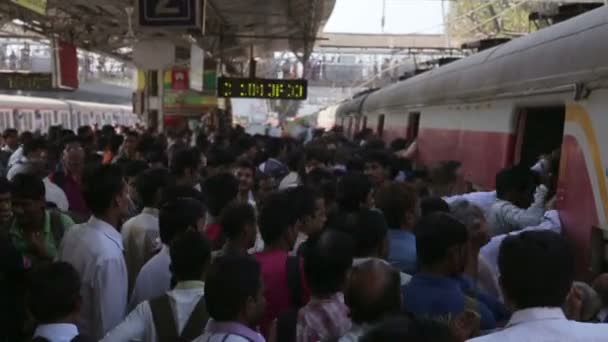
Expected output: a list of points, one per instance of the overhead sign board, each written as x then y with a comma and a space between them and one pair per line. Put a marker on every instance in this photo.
262, 88
169, 13
38, 6
197, 68
26, 81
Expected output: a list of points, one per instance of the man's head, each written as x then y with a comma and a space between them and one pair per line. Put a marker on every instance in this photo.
6, 207
150, 186
238, 223
368, 229
265, 187
399, 203
354, 192
35, 150
132, 170
73, 155
178, 216
245, 174
430, 205
308, 209
373, 292
277, 222
315, 157
407, 329
474, 219
516, 185
441, 244
28, 196
234, 290
190, 256
54, 293
129, 145
327, 261
105, 192
186, 165
11, 138
378, 166
220, 190
536, 269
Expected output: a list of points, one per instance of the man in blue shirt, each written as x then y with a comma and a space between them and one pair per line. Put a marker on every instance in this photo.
400, 205
436, 291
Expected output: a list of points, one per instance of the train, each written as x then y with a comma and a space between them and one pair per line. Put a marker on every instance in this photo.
508, 105
34, 114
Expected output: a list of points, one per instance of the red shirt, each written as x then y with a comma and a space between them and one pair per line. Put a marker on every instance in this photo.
276, 286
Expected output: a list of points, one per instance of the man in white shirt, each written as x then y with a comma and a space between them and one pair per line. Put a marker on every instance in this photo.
34, 152
140, 234
54, 301
483, 199
180, 312
514, 209
176, 216
95, 249
537, 272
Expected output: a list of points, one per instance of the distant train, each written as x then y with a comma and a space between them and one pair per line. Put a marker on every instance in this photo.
38, 114
507, 105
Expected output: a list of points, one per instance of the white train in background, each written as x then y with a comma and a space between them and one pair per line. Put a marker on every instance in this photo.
39, 114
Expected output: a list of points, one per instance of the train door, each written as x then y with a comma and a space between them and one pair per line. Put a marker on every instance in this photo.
364, 122
413, 126
380, 128
540, 131
349, 129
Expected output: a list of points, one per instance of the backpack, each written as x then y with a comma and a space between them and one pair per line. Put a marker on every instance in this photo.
166, 327
286, 322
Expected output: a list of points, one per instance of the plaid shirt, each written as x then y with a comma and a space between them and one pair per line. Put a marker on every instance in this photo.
322, 319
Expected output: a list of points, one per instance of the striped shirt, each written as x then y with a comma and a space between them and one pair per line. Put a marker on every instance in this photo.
323, 319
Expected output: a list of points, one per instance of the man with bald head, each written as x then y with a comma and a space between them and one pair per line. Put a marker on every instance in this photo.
372, 294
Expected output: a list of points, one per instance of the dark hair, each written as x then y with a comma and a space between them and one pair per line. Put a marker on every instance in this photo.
322, 182
188, 158
10, 131
435, 234
394, 200
5, 185
27, 186
190, 255
178, 216
368, 304
445, 172
230, 282
536, 269
399, 144
84, 130
27, 136
235, 217
317, 153
275, 218
53, 292
430, 205
378, 156
327, 260
302, 202
367, 227
518, 178
245, 164
220, 190
149, 183
134, 168
410, 329
132, 134
102, 185
353, 190
174, 192
68, 140
33, 145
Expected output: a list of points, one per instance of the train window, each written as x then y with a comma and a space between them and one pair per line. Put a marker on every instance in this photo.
364, 122
47, 118
380, 128
5, 115
413, 126
540, 131
74, 124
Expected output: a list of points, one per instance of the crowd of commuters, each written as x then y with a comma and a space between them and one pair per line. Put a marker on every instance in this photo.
117, 235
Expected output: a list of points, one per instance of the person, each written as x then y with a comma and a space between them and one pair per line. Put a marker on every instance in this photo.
239, 226
12, 274
326, 264
275, 149
24, 138
140, 234
220, 190
537, 272
483, 199
181, 311
95, 249
401, 207
70, 179
186, 165
278, 226
34, 152
354, 192
311, 208
378, 167
11, 140
245, 173
429, 205
407, 329
447, 179
54, 300
266, 185
373, 294
600, 285
436, 291
175, 217
234, 295
514, 209
128, 150
292, 179
36, 231
369, 231
590, 303
133, 169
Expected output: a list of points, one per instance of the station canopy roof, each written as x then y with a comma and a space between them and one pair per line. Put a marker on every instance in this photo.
232, 27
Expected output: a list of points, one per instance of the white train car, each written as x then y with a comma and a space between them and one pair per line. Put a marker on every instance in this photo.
26, 113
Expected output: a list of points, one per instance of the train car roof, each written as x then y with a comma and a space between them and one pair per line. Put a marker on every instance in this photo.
570, 52
29, 101
99, 106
